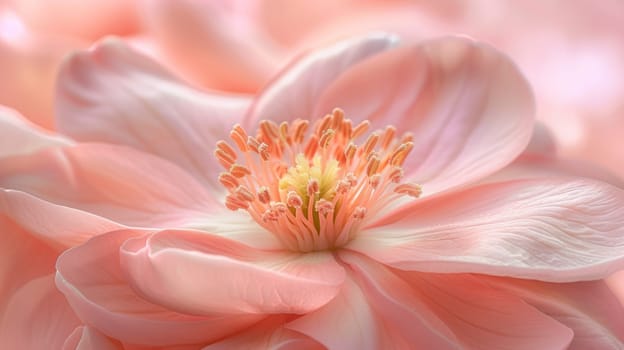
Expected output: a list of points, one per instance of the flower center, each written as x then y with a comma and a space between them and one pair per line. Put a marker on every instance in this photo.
313, 189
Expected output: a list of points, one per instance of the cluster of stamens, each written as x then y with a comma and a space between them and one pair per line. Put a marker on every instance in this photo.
313, 188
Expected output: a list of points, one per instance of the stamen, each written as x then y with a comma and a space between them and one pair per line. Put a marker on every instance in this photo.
314, 188
263, 195
239, 136
412, 190
227, 180
294, 200
239, 170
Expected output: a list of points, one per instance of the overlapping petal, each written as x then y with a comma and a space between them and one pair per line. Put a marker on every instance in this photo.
468, 107
295, 92
116, 95
87, 338
37, 317
57, 226
548, 229
96, 287
454, 311
590, 309
19, 136
202, 273
23, 258
268, 335
346, 322
116, 182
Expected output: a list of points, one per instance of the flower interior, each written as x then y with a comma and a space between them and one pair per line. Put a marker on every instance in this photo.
313, 187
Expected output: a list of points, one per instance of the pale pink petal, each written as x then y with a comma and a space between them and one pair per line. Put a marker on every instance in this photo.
19, 136
294, 94
546, 229
468, 107
87, 338
116, 95
268, 335
37, 317
238, 226
116, 182
95, 285
213, 43
531, 165
202, 273
56, 225
616, 284
590, 309
23, 257
451, 311
346, 322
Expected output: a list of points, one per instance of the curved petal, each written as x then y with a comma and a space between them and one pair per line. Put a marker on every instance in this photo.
295, 92
37, 317
346, 322
95, 286
200, 273
616, 284
58, 226
87, 338
19, 136
469, 109
452, 311
116, 95
590, 309
213, 43
268, 335
547, 229
23, 257
119, 183
534, 166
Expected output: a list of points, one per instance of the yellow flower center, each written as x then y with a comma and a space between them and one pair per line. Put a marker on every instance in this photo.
314, 190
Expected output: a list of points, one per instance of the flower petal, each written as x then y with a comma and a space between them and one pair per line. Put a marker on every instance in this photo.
115, 95
547, 229
19, 136
119, 183
95, 286
469, 109
268, 335
200, 273
532, 166
294, 94
590, 309
23, 257
87, 338
616, 284
346, 322
451, 311
58, 226
37, 317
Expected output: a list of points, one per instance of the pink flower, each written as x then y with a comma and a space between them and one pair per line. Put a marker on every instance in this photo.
236, 223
